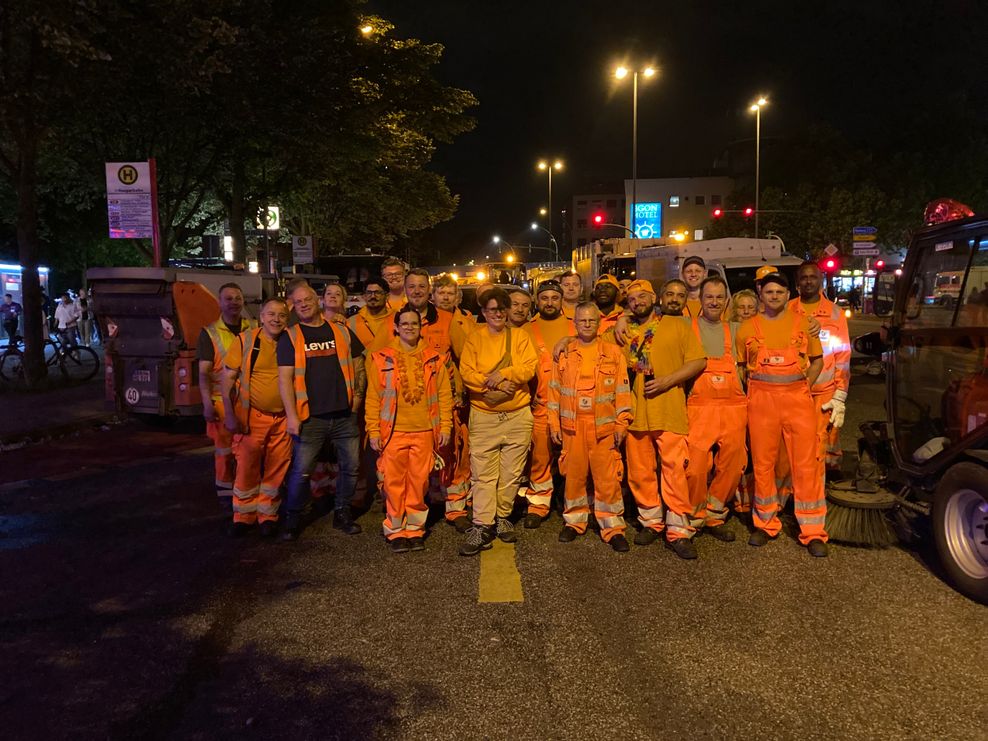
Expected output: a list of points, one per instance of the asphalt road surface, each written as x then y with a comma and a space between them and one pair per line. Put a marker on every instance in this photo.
125, 612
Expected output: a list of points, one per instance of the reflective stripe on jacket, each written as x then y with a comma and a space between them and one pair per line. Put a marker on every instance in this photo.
222, 338
389, 385
611, 393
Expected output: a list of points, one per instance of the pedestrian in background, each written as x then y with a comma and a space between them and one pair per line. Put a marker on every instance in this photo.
67, 320
85, 318
10, 314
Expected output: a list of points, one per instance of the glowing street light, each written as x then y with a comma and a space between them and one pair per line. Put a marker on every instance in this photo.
545, 166
756, 108
367, 30
620, 73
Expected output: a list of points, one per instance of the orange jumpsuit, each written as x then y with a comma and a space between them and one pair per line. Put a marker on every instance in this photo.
718, 416
263, 448
780, 407
662, 345
589, 400
539, 489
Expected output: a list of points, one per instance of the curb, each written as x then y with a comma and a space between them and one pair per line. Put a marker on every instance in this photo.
20, 438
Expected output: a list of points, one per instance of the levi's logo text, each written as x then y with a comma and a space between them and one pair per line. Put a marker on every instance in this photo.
320, 349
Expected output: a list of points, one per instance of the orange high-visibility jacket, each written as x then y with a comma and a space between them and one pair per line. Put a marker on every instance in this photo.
342, 337
612, 393
222, 338
382, 403
835, 340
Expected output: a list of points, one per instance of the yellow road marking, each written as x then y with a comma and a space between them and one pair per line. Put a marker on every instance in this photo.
500, 580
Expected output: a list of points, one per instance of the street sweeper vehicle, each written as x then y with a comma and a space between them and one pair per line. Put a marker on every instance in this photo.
926, 464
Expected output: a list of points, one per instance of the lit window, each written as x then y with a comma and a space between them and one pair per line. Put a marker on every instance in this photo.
673, 201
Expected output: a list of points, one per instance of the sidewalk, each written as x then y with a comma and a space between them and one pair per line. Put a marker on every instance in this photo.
26, 416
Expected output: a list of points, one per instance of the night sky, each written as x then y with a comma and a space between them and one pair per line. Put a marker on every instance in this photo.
542, 73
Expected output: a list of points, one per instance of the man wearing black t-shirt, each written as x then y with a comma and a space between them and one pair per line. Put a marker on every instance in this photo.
322, 382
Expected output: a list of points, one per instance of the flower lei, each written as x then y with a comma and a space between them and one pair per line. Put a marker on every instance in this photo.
412, 380
640, 347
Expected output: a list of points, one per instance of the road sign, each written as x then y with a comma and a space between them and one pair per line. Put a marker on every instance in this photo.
865, 250
273, 219
831, 249
130, 200
302, 250
864, 230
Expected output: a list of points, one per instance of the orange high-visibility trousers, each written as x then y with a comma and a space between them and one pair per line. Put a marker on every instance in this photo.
724, 426
583, 453
679, 511
455, 478
777, 412
828, 442
539, 490
224, 462
405, 464
263, 455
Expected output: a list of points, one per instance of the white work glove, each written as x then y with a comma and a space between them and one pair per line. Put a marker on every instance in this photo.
836, 408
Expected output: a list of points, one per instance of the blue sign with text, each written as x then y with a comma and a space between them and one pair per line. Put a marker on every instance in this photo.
648, 220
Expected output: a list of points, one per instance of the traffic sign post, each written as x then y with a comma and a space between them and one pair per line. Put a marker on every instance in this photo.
132, 203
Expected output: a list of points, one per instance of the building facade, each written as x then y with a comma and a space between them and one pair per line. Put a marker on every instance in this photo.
667, 206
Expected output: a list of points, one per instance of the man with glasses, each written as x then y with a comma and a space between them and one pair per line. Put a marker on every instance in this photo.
393, 271
373, 324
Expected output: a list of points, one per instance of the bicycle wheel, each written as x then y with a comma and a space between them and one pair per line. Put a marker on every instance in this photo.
12, 365
79, 363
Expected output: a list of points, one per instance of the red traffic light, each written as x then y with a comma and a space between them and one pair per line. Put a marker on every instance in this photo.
749, 211
829, 264
598, 219
718, 212
879, 264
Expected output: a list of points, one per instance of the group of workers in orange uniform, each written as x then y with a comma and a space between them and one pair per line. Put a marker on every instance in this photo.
667, 393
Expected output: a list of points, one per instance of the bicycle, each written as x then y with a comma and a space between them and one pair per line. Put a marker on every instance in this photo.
75, 362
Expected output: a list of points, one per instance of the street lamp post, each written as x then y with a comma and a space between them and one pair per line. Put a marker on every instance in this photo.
620, 73
756, 108
552, 238
544, 165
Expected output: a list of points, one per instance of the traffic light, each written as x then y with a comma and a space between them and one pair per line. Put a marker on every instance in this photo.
749, 211
598, 219
830, 265
879, 264
718, 212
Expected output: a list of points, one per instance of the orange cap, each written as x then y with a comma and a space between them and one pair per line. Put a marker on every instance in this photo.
608, 278
765, 270
639, 285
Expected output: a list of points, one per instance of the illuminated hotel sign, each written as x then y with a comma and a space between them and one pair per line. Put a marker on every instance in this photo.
648, 220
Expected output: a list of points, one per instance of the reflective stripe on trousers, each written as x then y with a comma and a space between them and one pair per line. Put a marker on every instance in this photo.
640, 451
224, 463
263, 456
583, 453
404, 465
539, 490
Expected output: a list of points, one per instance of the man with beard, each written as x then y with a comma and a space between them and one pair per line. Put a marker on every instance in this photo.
393, 271
548, 328
673, 297
520, 308
446, 295
373, 324
605, 295
662, 354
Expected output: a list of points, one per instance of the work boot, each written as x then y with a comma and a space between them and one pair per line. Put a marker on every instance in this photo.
533, 521
416, 544
461, 523
619, 543
238, 529
817, 548
759, 538
683, 547
646, 536
479, 538
567, 534
322, 505
720, 532
343, 521
398, 545
268, 529
505, 530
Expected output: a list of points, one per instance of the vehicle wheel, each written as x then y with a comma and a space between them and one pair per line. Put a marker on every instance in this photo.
960, 520
79, 363
11, 366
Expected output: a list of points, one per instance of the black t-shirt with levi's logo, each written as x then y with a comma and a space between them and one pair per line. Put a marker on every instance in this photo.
323, 376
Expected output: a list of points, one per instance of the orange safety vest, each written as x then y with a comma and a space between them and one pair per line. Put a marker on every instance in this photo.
836, 342
718, 384
250, 338
362, 327
609, 321
779, 365
612, 393
342, 337
222, 338
385, 361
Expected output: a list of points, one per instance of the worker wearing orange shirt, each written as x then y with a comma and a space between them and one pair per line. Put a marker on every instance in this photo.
782, 361
589, 412
693, 271
374, 323
546, 330
718, 414
664, 354
572, 285
605, 296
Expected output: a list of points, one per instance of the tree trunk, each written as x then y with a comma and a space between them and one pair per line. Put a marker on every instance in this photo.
35, 368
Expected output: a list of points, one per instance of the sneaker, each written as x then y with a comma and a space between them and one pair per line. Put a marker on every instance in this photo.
343, 521
759, 538
398, 545
291, 527
416, 544
817, 548
461, 524
505, 530
567, 534
479, 538
619, 543
646, 536
684, 548
721, 533
238, 529
268, 529
533, 522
